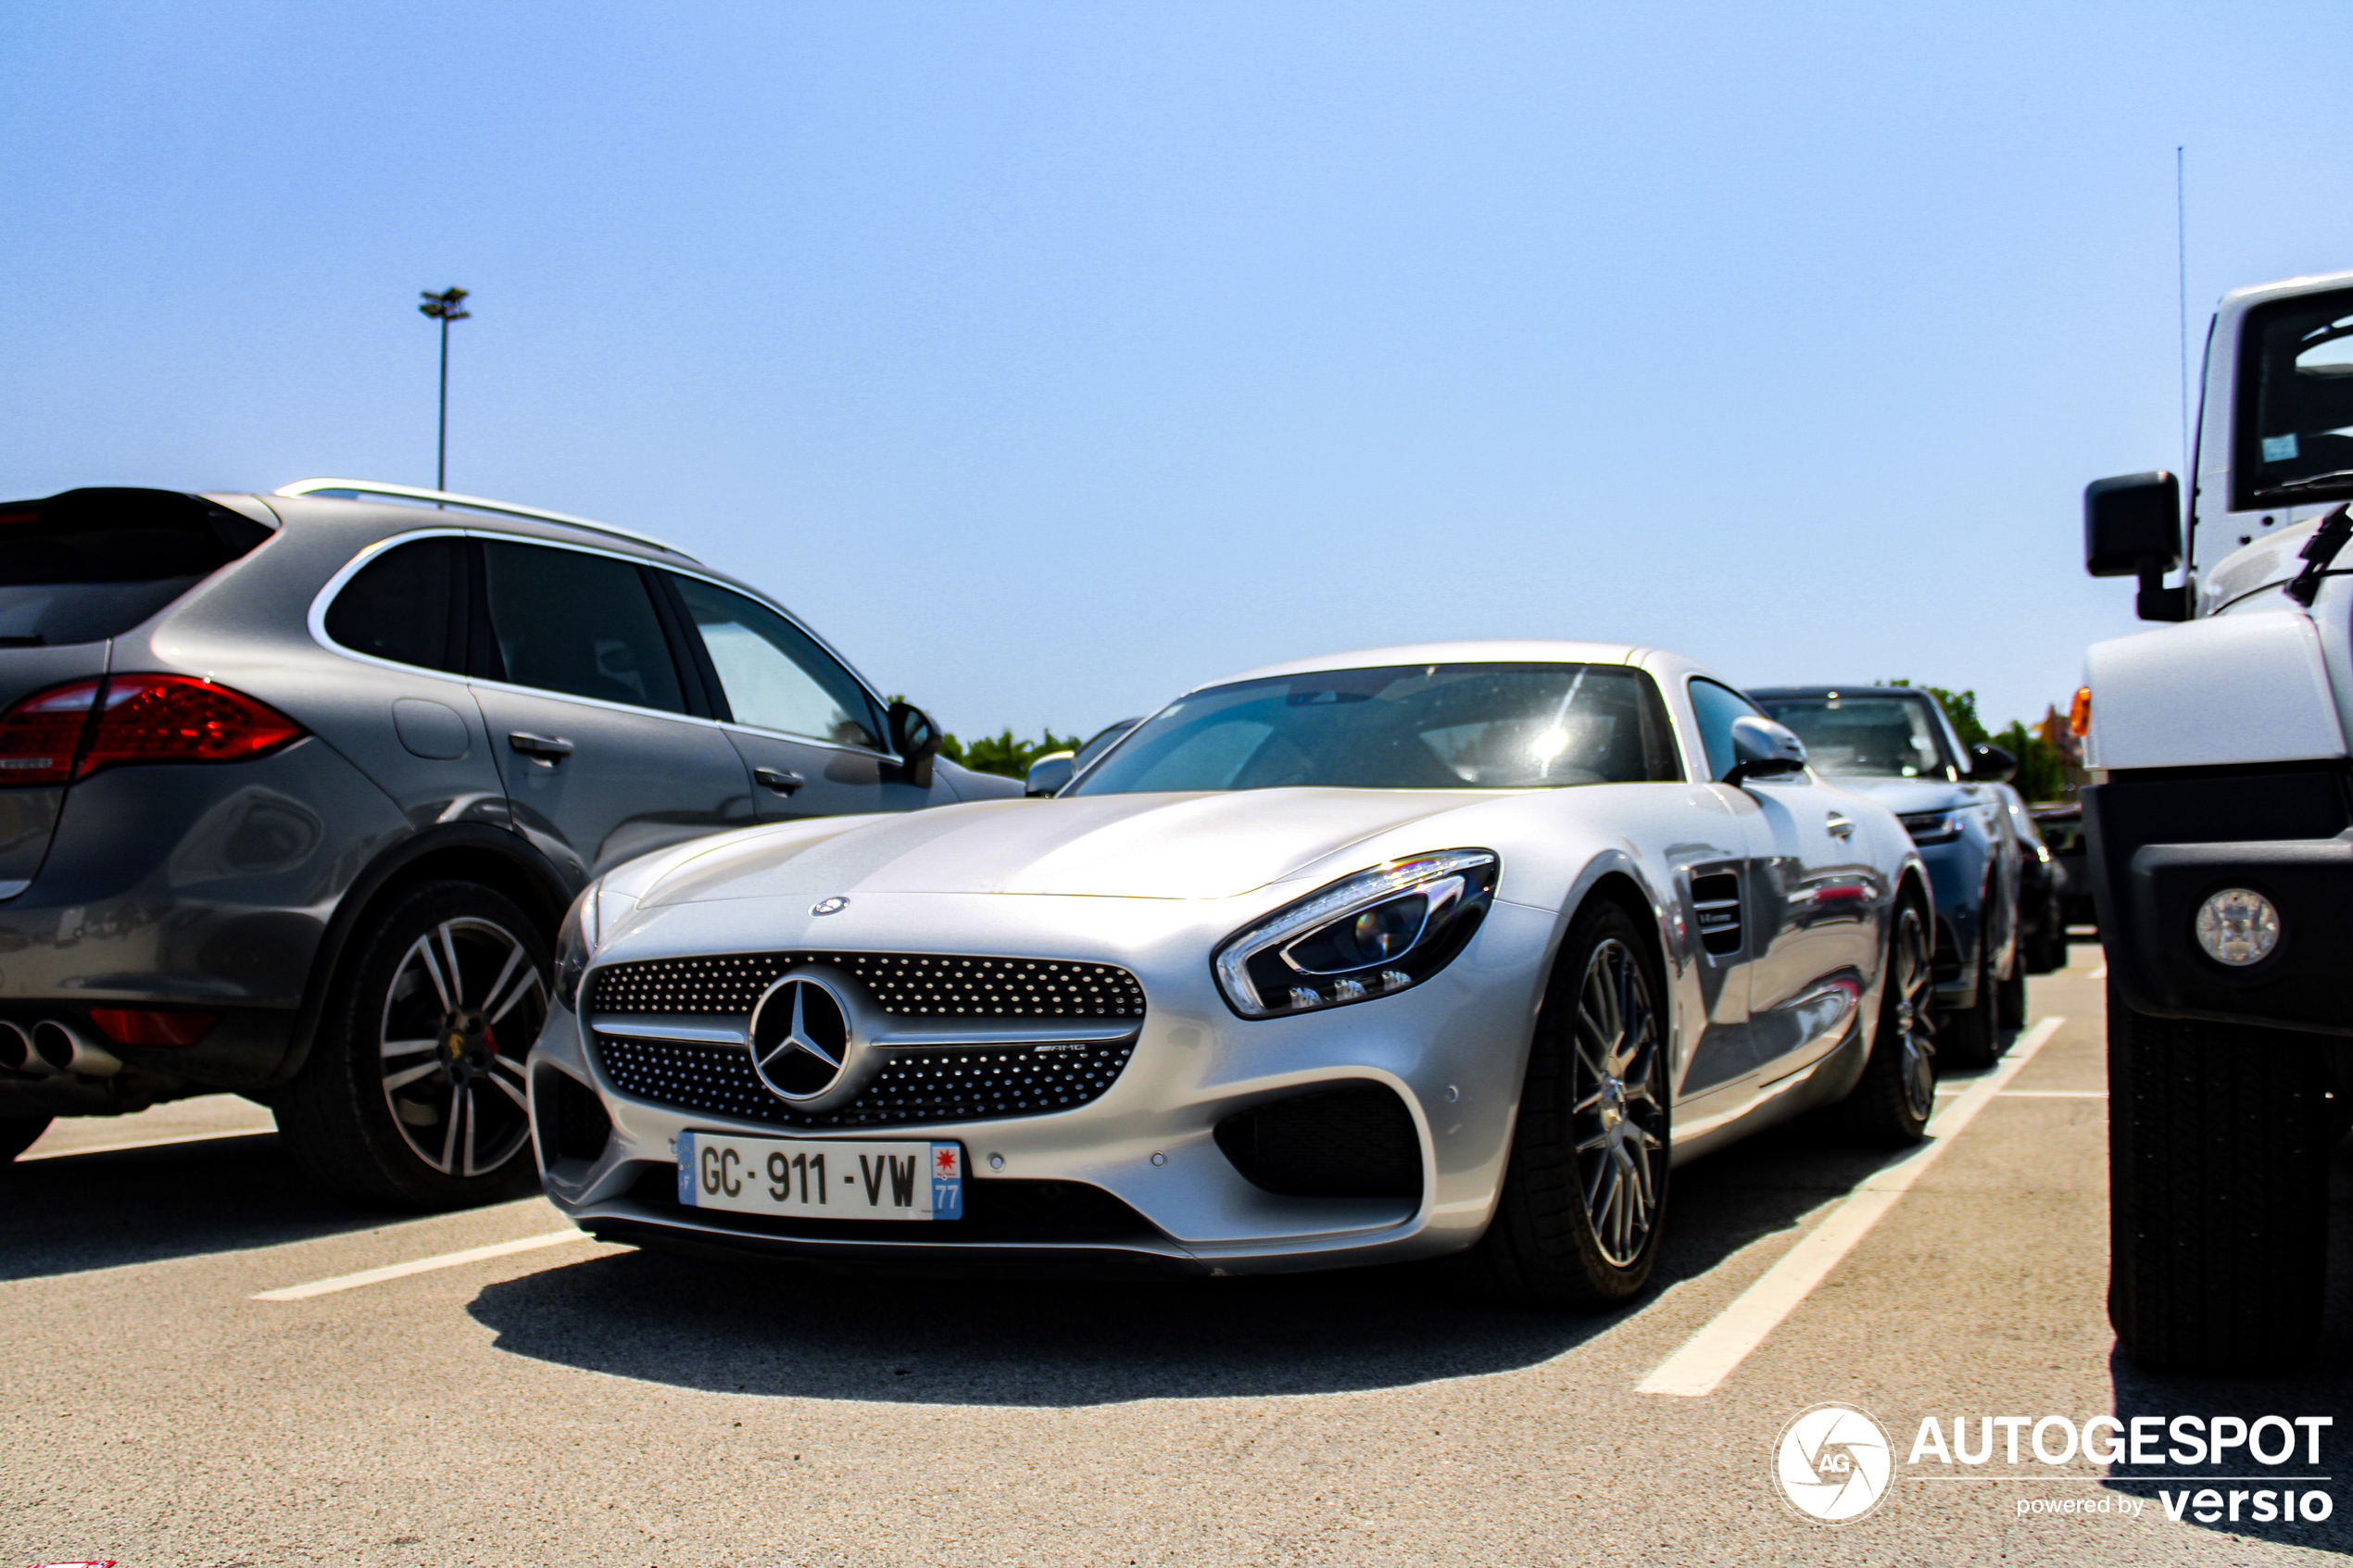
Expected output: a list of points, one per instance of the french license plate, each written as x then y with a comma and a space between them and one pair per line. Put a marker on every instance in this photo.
822, 1178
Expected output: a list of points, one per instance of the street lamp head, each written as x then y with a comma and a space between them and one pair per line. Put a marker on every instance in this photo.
444, 307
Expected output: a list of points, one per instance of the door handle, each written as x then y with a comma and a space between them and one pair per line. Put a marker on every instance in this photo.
777, 779
550, 749
1842, 827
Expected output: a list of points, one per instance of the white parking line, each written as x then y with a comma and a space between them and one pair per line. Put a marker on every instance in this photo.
1712, 1355
2055, 1094
146, 1143
422, 1266
2100, 974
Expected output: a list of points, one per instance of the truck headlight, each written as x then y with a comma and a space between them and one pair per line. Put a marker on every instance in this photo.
1367, 935
2237, 926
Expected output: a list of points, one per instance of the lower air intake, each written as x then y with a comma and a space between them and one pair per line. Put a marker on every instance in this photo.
1355, 1140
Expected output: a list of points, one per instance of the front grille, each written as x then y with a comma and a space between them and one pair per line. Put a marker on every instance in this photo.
906, 985
994, 1209
1355, 1140
964, 1084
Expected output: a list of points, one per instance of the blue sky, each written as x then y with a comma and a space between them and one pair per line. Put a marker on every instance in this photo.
1052, 357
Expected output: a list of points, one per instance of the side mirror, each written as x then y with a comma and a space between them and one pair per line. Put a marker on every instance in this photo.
2133, 527
1762, 750
916, 739
1991, 764
1050, 772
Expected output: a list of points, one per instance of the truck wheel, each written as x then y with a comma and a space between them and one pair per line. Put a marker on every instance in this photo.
19, 1134
1971, 1037
1890, 1103
2218, 1193
1585, 1186
414, 1094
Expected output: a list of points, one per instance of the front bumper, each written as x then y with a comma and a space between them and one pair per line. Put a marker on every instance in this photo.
2158, 849
1452, 1050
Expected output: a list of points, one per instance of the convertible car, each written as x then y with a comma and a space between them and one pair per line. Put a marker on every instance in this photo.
1453, 948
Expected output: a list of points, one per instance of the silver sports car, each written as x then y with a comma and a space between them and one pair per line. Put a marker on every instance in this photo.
1360, 958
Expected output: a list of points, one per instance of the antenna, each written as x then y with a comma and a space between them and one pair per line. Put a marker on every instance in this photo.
2182, 264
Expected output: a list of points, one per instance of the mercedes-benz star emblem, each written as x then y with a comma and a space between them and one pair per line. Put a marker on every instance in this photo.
801, 1038
832, 906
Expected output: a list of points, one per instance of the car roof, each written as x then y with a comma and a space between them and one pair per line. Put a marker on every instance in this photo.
406, 505
1500, 650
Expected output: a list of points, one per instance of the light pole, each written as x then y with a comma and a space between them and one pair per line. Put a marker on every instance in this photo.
444, 307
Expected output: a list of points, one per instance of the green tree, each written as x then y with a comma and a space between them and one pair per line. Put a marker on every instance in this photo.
1003, 755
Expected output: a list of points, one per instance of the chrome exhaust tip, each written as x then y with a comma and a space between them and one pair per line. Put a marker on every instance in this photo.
17, 1054
67, 1049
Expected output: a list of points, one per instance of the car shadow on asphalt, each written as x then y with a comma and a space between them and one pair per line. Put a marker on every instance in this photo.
110, 1208
2322, 1387
781, 1329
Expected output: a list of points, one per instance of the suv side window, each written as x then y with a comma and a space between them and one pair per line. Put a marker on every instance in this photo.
774, 675
1716, 705
404, 607
577, 624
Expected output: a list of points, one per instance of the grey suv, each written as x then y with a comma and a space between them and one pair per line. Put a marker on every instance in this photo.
295, 788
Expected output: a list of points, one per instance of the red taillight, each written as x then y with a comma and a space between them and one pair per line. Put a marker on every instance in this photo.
127, 719
152, 1026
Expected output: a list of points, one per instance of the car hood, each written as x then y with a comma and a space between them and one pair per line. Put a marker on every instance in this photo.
1164, 846
1902, 796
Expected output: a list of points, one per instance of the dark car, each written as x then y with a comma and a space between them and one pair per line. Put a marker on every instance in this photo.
295, 790
2061, 824
2042, 921
1895, 744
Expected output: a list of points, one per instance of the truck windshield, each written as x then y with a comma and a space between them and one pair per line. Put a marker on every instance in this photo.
2295, 438
1420, 726
1881, 737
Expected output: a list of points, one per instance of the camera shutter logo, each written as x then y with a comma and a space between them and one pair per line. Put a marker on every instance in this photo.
1833, 1463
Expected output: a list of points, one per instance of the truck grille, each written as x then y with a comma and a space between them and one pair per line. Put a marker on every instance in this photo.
906, 985
963, 1084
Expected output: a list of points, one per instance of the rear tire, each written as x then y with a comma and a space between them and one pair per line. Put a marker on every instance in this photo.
2009, 996
21, 1133
2218, 1193
1890, 1103
1579, 1220
414, 1094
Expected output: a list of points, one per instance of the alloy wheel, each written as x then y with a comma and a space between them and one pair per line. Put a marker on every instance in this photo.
464, 1006
1616, 1107
1914, 982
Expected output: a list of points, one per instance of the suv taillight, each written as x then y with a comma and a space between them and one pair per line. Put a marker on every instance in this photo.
71, 731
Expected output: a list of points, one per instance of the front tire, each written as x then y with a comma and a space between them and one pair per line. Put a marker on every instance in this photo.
1971, 1037
1890, 1103
21, 1133
414, 1094
2218, 1193
1578, 1222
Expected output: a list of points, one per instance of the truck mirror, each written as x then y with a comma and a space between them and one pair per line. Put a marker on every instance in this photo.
2133, 527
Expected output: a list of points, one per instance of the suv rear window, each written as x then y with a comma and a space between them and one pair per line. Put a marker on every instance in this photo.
91, 564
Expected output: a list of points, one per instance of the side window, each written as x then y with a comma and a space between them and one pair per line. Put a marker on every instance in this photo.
404, 606
773, 674
579, 624
1715, 707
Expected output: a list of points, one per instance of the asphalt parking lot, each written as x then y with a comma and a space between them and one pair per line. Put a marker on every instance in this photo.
563, 1401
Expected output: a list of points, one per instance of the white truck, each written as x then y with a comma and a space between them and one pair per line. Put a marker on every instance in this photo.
2220, 820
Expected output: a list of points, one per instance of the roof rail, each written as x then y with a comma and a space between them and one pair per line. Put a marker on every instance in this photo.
356, 487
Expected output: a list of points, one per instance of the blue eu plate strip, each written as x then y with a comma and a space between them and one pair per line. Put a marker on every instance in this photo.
947, 1181
687, 1169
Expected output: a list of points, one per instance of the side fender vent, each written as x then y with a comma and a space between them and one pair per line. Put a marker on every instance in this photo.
1715, 908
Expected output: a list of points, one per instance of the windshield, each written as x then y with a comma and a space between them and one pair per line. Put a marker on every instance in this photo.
2295, 440
1883, 736
1420, 726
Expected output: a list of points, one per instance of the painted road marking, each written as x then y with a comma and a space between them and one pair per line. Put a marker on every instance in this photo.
2053, 1094
148, 1143
1716, 1350
420, 1266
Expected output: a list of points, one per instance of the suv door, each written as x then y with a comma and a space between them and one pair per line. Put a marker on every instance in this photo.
604, 742
1810, 897
808, 729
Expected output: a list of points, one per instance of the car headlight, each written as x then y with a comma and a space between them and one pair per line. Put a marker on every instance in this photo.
1932, 827
591, 915
1367, 936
